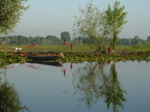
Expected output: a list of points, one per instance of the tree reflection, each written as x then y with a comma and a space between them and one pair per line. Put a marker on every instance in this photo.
96, 81
9, 98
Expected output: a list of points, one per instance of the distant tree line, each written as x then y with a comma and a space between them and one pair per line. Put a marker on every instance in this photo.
53, 40
121, 41
48, 40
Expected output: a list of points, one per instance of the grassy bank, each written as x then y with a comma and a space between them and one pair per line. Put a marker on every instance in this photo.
76, 48
80, 53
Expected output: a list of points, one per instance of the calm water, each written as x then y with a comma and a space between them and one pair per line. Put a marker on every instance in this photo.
82, 87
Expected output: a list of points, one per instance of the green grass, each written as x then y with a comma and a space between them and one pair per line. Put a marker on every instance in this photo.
136, 48
76, 48
56, 48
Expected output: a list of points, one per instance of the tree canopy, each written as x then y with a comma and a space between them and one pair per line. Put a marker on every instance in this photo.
115, 19
97, 25
65, 36
10, 12
91, 25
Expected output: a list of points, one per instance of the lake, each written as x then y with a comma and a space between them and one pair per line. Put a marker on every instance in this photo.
80, 87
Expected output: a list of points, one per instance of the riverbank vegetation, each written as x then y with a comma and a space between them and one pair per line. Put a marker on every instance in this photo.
94, 32
79, 53
8, 58
92, 57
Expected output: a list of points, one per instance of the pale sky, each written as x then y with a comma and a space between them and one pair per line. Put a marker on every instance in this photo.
51, 17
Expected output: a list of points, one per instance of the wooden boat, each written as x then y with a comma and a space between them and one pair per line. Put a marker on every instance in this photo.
43, 58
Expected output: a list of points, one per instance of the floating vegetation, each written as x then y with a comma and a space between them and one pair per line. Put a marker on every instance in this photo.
81, 57
8, 58
90, 57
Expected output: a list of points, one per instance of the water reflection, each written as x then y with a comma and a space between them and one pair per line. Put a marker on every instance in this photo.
46, 63
9, 98
95, 81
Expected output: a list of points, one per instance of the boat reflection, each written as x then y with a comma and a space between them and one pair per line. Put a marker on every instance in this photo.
9, 98
46, 63
96, 81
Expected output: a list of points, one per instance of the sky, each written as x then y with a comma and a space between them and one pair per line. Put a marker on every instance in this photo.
51, 17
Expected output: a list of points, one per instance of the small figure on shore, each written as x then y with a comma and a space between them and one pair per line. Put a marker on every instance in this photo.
71, 45
109, 50
64, 42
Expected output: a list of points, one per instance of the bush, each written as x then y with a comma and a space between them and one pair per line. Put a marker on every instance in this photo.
2, 54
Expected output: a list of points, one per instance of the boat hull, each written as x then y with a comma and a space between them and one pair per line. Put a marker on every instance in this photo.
43, 58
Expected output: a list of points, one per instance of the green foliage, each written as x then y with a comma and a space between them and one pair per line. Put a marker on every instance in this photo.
10, 12
65, 36
81, 54
50, 40
2, 54
115, 19
97, 57
53, 40
91, 25
10, 58
9, 99
97, 25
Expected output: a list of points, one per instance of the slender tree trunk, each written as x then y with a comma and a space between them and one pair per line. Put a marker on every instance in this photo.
115, 36
6, 39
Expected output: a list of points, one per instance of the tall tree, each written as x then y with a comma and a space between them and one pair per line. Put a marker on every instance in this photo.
65, 36
115, 19
91, 25
10, 12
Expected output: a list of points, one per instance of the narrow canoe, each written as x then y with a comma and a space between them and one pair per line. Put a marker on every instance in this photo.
43, 58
